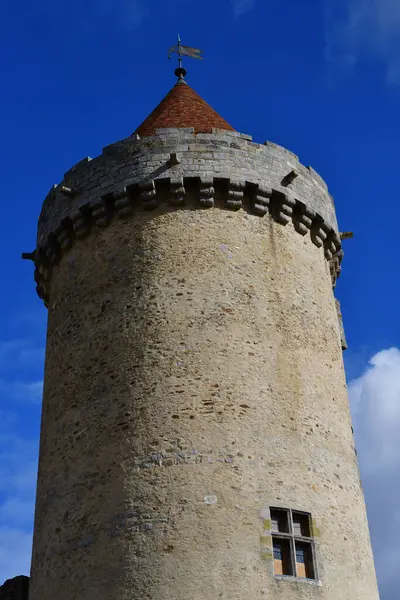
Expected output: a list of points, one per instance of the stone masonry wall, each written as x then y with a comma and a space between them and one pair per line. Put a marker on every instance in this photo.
193, 379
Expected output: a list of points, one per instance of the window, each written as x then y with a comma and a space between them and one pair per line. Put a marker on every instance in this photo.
293, 544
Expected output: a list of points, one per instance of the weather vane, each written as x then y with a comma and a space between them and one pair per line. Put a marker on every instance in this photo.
181, 51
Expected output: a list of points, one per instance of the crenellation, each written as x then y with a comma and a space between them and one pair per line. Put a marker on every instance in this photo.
222, 133
281, 149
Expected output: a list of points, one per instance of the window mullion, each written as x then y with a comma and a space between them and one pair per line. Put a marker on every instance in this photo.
314, 561
291, 521
293, 556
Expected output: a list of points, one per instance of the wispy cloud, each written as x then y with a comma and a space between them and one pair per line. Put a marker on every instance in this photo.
124, 14
240, 7
20, 362
21, 370
364, 29
128, 14
375, 401
15, 552
21, 351
17, 491
20, 391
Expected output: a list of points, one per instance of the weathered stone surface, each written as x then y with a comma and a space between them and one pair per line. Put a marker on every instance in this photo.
341, 326
194, 378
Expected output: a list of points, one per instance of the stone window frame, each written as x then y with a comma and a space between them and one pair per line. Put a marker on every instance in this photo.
292, 537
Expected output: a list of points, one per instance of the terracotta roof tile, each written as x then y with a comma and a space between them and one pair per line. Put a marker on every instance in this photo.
182, 107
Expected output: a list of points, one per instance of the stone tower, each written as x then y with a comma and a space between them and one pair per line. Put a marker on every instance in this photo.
196, 440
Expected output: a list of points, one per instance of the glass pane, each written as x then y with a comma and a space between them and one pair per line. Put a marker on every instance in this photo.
300, 555
277, 551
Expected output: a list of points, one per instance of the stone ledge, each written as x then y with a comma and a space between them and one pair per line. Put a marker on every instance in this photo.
221, 192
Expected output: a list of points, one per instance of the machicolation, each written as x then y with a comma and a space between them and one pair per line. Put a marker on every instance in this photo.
225, 170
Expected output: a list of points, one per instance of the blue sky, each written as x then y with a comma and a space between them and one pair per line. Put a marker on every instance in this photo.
321, 77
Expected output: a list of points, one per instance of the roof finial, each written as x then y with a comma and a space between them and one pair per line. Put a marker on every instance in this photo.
181, 50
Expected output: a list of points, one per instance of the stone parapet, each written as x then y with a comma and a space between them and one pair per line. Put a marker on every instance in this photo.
185, 192
178, 169
207, 156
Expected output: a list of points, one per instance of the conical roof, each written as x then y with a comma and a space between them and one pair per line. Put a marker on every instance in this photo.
182, 107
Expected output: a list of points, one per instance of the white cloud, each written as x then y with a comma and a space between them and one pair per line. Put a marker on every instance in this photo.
375, 402
364, 29
375, 398
240, 7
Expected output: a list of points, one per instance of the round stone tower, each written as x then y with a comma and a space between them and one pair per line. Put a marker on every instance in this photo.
196, 440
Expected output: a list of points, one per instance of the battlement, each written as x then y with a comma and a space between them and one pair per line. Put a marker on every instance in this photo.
177, 168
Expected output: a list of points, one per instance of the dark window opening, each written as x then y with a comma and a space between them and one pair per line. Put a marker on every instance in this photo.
304, 560
283, 564
280, 520
301, 524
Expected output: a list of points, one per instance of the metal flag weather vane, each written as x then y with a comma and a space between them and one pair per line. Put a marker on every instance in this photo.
181, 51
